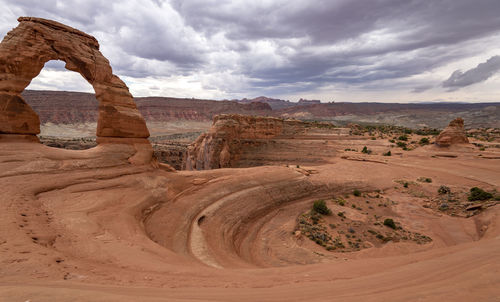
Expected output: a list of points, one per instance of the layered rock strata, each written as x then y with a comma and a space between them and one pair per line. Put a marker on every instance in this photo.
233, 136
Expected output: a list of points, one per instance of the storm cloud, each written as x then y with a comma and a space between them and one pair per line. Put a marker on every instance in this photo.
227, 49
480, 73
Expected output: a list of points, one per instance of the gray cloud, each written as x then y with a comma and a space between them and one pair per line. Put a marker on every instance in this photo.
281, 46
480, 73
421, 88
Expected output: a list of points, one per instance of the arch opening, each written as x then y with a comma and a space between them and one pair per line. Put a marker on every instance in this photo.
66, 105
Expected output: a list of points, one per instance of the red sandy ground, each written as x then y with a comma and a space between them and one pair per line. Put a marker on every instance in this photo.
88, 226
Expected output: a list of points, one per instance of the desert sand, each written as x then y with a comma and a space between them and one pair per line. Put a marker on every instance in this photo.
88, 225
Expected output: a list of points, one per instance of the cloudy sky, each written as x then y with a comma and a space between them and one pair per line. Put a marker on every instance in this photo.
342, 50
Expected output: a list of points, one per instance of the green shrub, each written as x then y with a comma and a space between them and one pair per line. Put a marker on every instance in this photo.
428, 131
425, 179
341, 214
356, 192
366, 150
479, 194
424, 141
401, 144
444, 190
403, 138
388, 153
320, 207
390, 223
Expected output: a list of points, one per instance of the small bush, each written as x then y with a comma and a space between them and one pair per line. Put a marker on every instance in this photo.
405, 185
424, 141
425, 179
388, 153
366, 150
390, 223
341, 214
444, 190
356, 192
479, 194
339, 201
401, 144
320, 207
403, 138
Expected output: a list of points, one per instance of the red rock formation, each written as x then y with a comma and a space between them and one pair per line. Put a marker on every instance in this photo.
23, 53
453, 134
222, 144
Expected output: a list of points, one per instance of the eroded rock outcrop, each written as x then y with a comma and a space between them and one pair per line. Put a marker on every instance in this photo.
454, 133
222, 144
243, 141
35, 41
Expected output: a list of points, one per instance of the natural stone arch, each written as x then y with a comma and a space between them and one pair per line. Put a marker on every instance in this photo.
35, 41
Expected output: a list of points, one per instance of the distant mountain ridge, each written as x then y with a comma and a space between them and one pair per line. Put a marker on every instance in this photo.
77, 107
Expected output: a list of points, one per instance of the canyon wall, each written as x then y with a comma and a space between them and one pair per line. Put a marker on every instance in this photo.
245, 141
222, 144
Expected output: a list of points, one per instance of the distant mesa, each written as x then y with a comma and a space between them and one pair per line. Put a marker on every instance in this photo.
35, 41
276, 104
453, 134
308, 102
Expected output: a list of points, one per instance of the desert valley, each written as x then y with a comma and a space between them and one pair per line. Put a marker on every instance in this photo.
107, 197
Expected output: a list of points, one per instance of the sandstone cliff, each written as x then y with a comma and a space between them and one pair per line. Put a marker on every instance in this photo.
223, 143
239, 141
453, 134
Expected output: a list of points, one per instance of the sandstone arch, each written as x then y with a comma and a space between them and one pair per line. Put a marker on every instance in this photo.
24, 52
